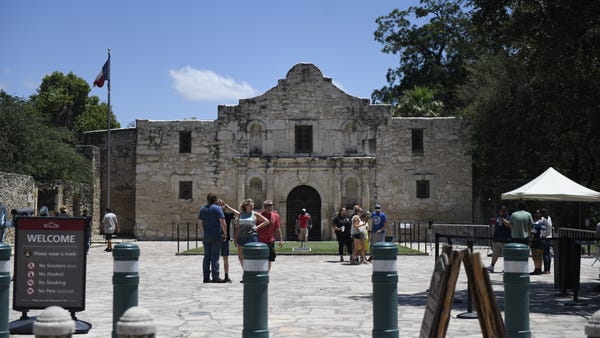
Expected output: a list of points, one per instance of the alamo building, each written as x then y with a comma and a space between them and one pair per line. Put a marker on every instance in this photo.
302, 144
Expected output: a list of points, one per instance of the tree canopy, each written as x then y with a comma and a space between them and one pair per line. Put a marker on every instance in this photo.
39, 135
526, 74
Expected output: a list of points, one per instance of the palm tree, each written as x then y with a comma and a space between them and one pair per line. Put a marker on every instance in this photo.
419, 102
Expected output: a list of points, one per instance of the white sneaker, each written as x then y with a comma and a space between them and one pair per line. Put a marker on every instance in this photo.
490, 269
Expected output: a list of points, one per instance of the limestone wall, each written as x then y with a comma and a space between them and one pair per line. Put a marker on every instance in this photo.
445, 163
17, 191
122, 174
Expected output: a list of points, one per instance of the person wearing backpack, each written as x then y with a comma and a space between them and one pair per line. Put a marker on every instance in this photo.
538, 242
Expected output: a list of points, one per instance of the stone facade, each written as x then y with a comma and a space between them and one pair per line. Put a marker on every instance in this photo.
17, 191
122, 174
303, 144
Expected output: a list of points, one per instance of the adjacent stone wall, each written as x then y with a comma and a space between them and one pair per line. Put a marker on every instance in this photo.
122, 174
445, 163
17, 191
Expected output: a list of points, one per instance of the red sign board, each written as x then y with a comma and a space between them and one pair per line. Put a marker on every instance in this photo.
50, 263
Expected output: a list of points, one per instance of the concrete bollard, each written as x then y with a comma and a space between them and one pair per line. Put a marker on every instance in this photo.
54, 322
125, 280
516, 290
592, 327
5, 251
385, 290
256, 281
136, 322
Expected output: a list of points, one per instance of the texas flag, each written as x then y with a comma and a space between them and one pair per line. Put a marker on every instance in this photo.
103, 75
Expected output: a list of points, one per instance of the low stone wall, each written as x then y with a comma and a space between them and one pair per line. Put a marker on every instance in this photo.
17, 191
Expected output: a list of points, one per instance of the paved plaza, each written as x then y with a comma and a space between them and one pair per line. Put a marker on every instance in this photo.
309, 296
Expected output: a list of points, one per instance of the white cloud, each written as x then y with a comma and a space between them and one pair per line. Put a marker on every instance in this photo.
205, 85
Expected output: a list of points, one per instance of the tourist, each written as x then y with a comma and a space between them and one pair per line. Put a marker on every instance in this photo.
521, 221
359, 232
342, 226
110, 225
537, 244
246, 230
63, 212
267, 234
378, 228
547, 248
230, 214
303, 226
212, 222
88, 229
44, 211
502, 230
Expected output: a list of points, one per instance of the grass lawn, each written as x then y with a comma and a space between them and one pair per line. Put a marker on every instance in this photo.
317, 248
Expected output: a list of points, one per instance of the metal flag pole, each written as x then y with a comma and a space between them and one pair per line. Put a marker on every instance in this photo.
108, 140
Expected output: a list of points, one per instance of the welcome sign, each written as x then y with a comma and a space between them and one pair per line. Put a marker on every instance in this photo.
50, 263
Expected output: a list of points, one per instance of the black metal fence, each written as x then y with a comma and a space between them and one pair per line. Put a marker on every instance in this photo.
185, 233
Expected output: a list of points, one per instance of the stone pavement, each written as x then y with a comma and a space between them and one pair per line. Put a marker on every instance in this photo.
309, 296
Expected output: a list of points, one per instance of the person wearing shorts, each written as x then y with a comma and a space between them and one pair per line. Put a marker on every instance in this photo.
303, 224
246, 230
110, 223
267, 234
230, 214
502, 231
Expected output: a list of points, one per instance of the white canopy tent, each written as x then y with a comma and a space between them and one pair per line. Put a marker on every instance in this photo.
553, 186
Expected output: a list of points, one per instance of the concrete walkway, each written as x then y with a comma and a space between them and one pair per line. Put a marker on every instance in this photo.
309, 296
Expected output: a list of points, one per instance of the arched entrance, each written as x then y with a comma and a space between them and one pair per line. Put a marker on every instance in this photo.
304, 197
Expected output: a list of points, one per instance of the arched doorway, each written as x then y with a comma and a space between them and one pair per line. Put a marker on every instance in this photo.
304, 197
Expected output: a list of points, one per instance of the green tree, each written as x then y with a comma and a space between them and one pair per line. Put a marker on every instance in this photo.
95, 117
434, 54
536, 91
32, 147
419, 101
60, 99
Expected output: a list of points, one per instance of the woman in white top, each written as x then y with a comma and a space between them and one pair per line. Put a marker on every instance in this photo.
245, 230
358, 233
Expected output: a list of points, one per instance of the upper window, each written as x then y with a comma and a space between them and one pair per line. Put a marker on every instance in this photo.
417, 141
304, 139
185, 142
185, 190
423, 189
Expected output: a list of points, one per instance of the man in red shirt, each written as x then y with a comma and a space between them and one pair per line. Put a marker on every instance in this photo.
303, 225
267, 234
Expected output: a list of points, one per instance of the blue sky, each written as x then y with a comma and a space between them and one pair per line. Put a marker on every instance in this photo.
180, 59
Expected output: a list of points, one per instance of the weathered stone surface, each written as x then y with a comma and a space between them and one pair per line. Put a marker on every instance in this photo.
360, 154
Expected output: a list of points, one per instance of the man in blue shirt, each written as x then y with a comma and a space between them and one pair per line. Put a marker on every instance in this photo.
378, 228
212, 222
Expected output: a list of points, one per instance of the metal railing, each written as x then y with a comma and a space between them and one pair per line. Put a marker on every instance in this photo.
180, 236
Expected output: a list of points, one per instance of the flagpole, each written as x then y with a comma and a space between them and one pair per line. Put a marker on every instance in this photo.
108, 140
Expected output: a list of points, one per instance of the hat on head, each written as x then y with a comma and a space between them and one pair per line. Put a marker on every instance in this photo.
377, 207
303, 210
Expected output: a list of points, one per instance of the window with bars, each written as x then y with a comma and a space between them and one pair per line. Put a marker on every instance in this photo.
417, 141
423, 189
185, 142
185, 190
304, 139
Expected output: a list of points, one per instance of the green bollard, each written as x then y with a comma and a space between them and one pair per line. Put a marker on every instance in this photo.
125, 280
5, 251
516, 290
256, 281
385, 290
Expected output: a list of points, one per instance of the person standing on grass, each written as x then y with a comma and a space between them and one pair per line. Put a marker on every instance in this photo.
212, 222
267, 234
304, 222
246, 230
